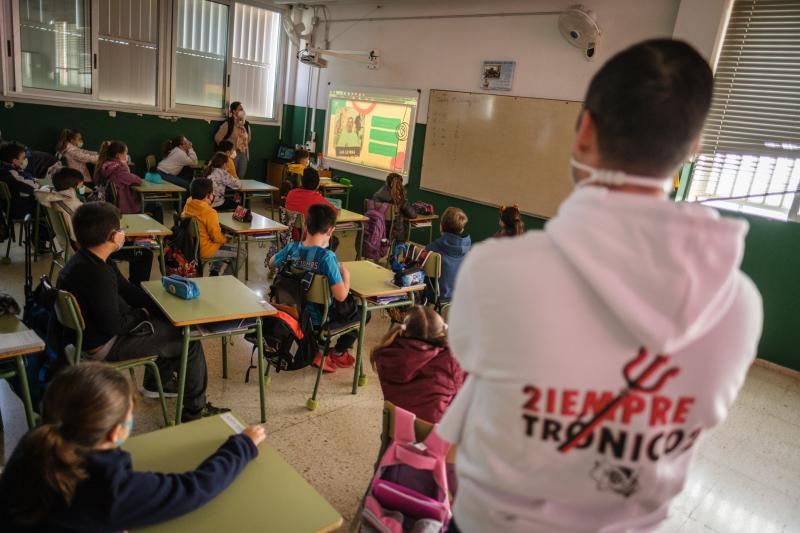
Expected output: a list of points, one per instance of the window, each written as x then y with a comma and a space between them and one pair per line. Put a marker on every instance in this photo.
127, 44
200, 54
55, 45
254, 73
750, 160
184, 57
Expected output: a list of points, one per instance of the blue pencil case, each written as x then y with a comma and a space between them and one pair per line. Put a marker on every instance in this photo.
153, 177
181, 287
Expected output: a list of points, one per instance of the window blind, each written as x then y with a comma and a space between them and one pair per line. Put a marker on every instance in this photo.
750, 158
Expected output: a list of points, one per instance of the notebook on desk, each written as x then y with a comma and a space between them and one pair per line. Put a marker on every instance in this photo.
226, 326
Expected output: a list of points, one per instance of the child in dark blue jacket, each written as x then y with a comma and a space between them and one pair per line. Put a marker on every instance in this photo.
453, 245
70, 474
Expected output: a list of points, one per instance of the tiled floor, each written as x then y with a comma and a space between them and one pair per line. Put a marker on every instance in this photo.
746, 475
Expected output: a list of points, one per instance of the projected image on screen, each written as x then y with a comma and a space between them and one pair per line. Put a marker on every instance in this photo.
370, 129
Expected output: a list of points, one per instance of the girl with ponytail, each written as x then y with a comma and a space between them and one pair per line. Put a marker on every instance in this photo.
511, 223
69, 474
394, 192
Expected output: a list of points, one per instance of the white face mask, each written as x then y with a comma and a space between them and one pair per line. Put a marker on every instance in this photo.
82, 190
24, 164
616, 178
121, 242
80, 144
241, 114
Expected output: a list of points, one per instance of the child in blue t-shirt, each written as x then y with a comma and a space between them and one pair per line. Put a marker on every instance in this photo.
313, 254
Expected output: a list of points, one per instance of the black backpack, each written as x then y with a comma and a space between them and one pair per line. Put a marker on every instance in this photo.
229, 122
179, 255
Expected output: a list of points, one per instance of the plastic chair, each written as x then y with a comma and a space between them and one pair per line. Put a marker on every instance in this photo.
61, 236
5, 198
150, 163
69, 316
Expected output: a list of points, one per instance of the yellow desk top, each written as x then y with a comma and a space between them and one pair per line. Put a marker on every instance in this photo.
256, 186
369, 280
11, 324
330, 184
259, 226
221, 298
142, 225
350, 216
149, 186
268, 495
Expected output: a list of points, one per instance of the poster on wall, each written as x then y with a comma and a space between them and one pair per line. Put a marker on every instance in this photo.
369, 131
498, 75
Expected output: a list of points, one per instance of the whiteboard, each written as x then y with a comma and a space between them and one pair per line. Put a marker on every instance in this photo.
500, 150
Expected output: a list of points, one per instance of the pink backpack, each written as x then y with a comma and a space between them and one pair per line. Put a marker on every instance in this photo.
409, 491
376, 244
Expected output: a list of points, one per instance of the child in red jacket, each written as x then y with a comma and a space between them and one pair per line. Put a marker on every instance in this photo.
415, 367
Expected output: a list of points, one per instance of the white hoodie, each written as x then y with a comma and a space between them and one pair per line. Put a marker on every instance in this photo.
546, 323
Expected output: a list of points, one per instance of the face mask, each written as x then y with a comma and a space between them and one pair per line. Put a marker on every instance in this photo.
616, 178
233, 155
24, 164
129, 425
241, 114
81, 190
121, 242
80, 144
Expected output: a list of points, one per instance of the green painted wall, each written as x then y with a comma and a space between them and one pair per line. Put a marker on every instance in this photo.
771, 259
38, 126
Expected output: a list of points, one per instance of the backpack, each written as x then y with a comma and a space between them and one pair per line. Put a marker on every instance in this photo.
229, 122
375, 243
101, 192
289, 341
179, 255
422, 208
409, 491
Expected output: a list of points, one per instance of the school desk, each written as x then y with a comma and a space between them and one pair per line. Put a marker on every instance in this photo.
9, 324
329, 187
350, 223
421, 222
222, 298
268, 495
44, 182
144, 226
256, 189
247, 232
164, 193
369, 281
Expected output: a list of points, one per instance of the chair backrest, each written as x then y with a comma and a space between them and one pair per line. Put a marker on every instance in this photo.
68, 313
194, 235
299, 222
60, 228
320, 293
5, 195
421, 430
150, 162
113, 194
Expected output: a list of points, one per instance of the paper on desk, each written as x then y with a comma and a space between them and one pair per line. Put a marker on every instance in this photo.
232, 422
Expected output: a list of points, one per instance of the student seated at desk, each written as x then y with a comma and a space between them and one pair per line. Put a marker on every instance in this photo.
66, 196
112, 166
70, 146
394, 192
299, 200
313, 254
511, 223
230, 151
453, 246
415, 367
21, 186
69, 474
112, 307
294, 171
217, 172
213, 243
177, 167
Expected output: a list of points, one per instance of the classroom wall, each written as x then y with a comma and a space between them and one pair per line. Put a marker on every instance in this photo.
38, 126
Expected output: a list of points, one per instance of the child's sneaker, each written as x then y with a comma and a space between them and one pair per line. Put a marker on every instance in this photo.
345, 360
329, 367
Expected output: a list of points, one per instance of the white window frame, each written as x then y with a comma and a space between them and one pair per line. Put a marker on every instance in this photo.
10, 69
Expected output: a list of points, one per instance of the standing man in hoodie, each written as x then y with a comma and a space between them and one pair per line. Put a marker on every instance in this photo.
600, 349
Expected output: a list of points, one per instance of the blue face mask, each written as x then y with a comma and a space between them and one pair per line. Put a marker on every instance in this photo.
129, 425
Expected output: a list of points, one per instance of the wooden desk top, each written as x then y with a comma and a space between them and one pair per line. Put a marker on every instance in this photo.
142, 225
221, 298
370, 280
255, 186
423, 218
268, 495
11, 324
330, 184
350, 216
149, 186
260, 225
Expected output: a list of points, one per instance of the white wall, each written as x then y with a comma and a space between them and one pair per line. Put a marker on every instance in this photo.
448, 53
702, 24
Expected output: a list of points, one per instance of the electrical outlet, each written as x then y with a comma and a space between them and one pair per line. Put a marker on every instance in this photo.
8, 105
112, 114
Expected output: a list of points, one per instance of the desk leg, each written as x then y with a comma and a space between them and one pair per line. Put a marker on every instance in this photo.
182, 374
261, 384
359, 378
430, 233
238, 254
360, 242
246, 259
161, 260
141, 198
347, 199
26, 391
35, 243
272, 205
224, 358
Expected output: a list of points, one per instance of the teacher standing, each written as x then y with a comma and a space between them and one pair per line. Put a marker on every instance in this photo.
237, 130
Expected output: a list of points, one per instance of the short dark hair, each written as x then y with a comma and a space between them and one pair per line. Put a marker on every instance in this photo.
201, 187
649, 103
300, 153
93, 223
310, 179
11, 151
225, 146
66, 178
320, 218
